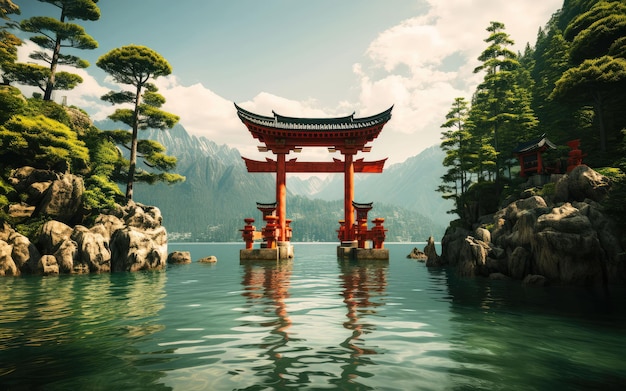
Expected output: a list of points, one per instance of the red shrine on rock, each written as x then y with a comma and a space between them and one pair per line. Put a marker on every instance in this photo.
347, 135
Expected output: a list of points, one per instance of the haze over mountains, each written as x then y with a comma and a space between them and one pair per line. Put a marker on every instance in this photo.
219, 193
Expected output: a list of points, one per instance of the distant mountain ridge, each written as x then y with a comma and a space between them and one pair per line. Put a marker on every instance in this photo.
219, 192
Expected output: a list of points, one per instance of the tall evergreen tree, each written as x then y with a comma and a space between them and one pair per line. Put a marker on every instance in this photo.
455, 142
597, 76
53, 36
137, 66
507, 117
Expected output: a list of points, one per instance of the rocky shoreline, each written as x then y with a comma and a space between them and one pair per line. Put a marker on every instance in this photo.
565, 238
125, 238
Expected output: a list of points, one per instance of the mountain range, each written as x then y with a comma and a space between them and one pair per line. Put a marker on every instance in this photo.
219, 193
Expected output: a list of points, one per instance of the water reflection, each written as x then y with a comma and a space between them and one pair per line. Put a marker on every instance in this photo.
533, 337
363, 287
266, 287
64, 331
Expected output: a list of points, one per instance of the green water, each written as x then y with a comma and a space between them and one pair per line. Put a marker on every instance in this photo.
311, 323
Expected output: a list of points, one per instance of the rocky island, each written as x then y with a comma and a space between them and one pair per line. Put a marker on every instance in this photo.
125, 238
562, 237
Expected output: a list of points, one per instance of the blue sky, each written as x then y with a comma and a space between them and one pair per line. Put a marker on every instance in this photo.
305, 58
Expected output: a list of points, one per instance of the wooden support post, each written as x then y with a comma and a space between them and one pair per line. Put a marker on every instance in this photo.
281, 195
348, 196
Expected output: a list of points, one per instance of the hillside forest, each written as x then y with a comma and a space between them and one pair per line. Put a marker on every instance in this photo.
569, 85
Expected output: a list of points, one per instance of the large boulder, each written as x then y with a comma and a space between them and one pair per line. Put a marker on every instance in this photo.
51, 235
63, 198
22, 178
432, 259
143, 216
66, 255
133, 249
519, 263
567, 249
24, 254
473, 258
93, 250
451, 245
106, 225
7, 266
580, 184
47, 265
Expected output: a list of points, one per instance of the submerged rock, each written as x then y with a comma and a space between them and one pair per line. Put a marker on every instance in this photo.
179, 257
209, 259
417, 254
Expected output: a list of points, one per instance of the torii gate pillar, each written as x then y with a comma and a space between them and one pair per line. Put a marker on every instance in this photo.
281, 195
348, 197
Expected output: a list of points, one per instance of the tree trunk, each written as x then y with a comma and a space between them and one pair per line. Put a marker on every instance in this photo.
53, 64
133, 147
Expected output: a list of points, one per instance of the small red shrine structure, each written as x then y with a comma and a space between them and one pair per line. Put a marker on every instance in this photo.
575, 155
530, 153
531, 160
281, 135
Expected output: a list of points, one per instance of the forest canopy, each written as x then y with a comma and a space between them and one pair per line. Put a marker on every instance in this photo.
570, 86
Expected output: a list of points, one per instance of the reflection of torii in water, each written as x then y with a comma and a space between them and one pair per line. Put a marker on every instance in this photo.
265, 287
361, 282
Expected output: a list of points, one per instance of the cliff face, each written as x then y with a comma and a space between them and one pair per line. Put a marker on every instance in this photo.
566, 238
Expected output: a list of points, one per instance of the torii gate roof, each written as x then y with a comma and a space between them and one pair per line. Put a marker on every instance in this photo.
280, 133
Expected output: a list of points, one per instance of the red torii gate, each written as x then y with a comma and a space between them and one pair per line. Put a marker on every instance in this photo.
282, 135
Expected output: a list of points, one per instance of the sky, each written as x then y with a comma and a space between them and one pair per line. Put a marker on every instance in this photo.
322, 58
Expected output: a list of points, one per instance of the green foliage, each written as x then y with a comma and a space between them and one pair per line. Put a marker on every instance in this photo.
136, 66
36, 75
501, 113
569, 86
42, 143
100, 193
11, 102
31, 227
456, 142
614, 203
54, 35
8, 7
48, 109
7, 192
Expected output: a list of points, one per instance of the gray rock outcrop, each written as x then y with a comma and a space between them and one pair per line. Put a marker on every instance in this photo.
569, 242
126, 238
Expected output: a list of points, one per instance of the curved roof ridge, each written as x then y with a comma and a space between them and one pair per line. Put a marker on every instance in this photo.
281, 119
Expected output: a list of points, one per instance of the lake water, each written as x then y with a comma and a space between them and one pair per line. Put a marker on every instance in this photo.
311, 323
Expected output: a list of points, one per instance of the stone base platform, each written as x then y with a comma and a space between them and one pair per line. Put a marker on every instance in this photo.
283, 251
362, 254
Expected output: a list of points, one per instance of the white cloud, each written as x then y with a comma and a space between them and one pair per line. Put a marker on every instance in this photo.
419, 66
417, 75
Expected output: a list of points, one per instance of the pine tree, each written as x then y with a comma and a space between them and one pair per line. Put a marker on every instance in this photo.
506, 117
597, 76
53, 36
455, 142
136, 66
